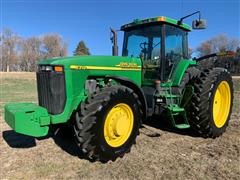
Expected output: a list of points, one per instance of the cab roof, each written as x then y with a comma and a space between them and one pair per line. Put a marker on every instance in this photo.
163, 19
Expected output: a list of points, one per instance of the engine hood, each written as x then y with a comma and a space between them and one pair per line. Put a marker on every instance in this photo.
93, 61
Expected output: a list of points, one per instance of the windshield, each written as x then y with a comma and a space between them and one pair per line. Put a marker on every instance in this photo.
143, 42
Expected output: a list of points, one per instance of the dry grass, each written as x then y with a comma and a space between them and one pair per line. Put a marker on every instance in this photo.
172, 155
236, 77
18, 75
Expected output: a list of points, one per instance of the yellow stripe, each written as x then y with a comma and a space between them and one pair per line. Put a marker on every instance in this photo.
105, 68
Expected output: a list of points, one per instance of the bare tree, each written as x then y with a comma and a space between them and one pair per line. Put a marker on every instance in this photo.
9, 43
30, 53
54, 46
22, 54
218, 44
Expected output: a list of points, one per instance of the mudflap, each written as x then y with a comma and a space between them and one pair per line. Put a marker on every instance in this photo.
27, 118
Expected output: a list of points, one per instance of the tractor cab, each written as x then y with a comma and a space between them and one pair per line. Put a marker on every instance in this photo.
159, 42
162, 45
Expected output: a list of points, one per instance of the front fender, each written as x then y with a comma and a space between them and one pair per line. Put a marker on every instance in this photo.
132, 85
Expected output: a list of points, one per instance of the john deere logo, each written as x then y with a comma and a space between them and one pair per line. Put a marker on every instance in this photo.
128, 65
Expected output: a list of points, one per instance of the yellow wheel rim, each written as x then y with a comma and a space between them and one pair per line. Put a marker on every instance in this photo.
118, 125
221, 104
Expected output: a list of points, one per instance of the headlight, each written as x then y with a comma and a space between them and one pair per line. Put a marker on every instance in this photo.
49, 68
42, 68
45, 68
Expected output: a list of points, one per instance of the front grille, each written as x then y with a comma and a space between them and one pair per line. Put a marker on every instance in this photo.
51, 91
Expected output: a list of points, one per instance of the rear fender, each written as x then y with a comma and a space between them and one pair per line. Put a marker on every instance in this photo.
180, 70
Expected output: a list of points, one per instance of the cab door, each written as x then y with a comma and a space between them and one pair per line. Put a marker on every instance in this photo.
151, 58
175, 49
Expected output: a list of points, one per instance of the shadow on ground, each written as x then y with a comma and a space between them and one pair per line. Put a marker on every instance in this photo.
64, 137
16, 140
163, 124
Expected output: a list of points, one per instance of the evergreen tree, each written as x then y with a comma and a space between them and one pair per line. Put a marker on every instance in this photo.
81, 49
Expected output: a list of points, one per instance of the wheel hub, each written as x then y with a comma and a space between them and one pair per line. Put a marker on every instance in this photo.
221, 104
119, 128
118, 125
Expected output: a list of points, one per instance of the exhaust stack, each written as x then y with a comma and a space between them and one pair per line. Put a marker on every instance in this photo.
113, 38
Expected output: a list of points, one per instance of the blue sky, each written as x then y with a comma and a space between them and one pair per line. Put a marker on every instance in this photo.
90, 20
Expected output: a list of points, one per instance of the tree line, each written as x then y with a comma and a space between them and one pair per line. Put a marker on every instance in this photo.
221, 44
22, 54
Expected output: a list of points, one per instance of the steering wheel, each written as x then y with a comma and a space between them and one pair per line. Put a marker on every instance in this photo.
172, 57
143, 45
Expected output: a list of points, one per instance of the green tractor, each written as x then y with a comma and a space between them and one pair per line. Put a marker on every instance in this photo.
106, 98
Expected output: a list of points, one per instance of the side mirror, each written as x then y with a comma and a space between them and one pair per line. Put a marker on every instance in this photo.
199, 24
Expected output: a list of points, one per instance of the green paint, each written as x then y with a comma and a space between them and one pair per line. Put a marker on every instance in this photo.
75, 78
27, 118
173, 107
173, 112
75, 91
180, 70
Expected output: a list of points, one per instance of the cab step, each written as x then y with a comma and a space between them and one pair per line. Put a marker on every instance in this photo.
175, 108
182, 126
175, 112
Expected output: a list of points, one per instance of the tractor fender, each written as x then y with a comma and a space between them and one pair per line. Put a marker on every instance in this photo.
191, 73
132, 85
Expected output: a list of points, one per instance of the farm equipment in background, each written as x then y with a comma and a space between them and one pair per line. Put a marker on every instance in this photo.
229, 60
106, 98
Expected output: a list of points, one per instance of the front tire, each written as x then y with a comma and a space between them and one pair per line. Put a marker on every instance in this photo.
107, 123
211, 104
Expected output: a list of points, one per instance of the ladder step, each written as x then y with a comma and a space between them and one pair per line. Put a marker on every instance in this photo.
170, 96
182, 126
176, 109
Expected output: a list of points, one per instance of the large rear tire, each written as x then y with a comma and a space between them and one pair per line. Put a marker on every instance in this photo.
211, 104
107, 123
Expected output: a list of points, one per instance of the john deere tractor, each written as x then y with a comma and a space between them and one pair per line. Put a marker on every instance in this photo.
106, 98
